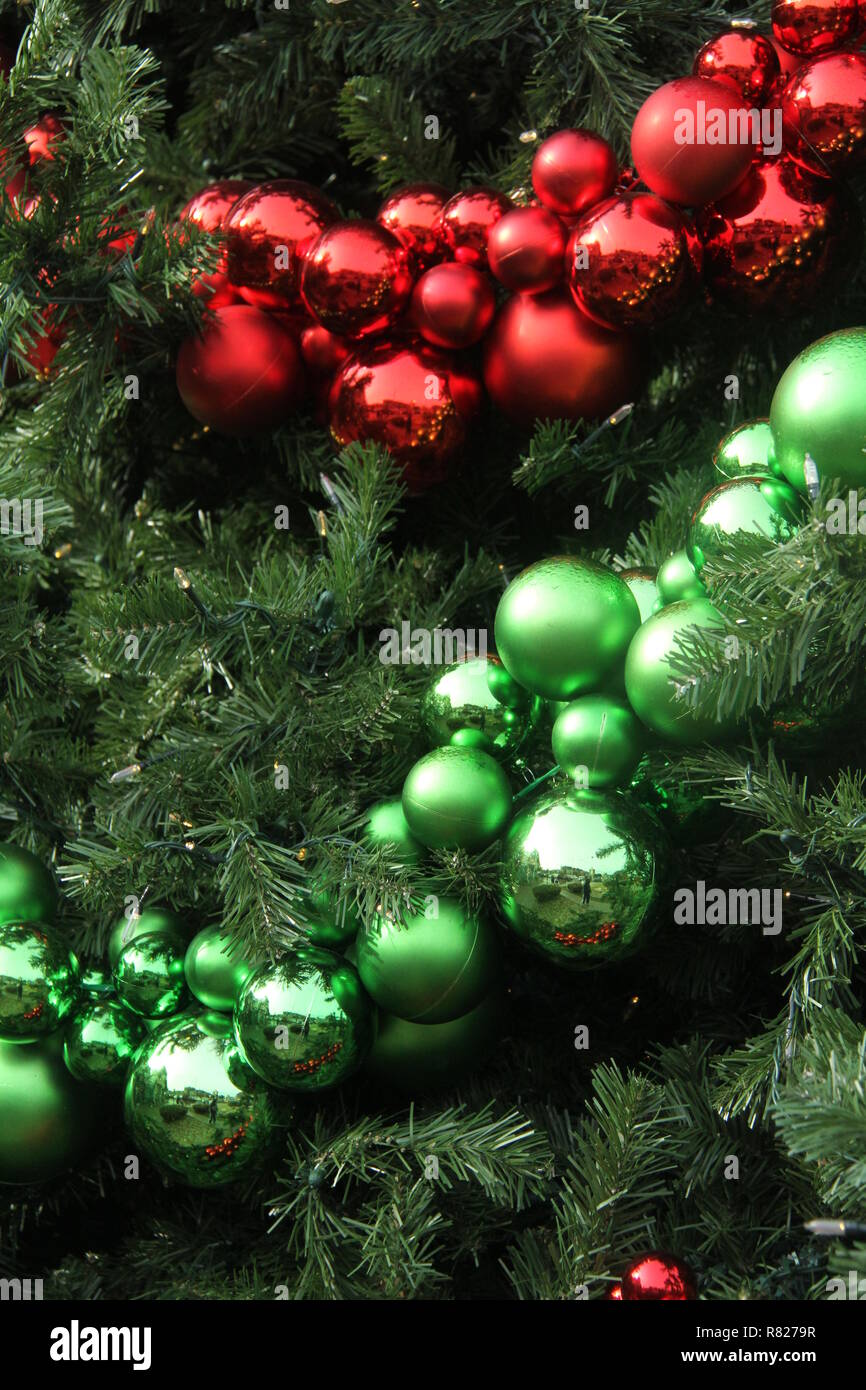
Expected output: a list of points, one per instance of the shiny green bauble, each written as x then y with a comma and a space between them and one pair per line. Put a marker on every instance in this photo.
48, 1120
28, 888
677, 580
563, 627
215, 969
148, 976
642, 584
39, 980
387, 826
581, 876
460, 707
196, 1111
96, 981
742, 506
747, 450
456, 798
651, 681
420, 1056
428, 968
598, 741
819, 408
142, 924
99, 1041
305, 1024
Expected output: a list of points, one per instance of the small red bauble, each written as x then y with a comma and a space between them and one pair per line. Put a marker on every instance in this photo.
465, 221
323, 352
268, 232
658, 1277
526, 249
544, 359
628, 261
614, 1293
572, 170
824, 113
810, 27
745, 61
452, 305
244, 374
673, 141
43, 138
356, 278
411, 213
42, 348
789, 63
209, 210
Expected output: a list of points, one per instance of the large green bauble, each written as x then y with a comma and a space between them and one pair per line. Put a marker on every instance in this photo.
419, 1056
142, 924
28, 889
581, 876
677, 579
196, 1111
747, 450
456, 798
48, 1121
305, 1024
742, 506
461, 707
819, 408
99, 1041
563, 627
642, 584
39, 980
148, 976
387, 826
600, 735
651, 682
215, 969
428, 969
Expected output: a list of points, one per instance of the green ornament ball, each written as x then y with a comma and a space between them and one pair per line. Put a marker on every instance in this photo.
100, 1040
333, 918
48, 1120
746, 451
96, 981
215, 969
39, 980
152, 919
563, 627
428, 969
456, 798
193, 1107
651, 681
28, 888
305, 1024
387, 826
598, 741
742, 506
460, 707
819, 408
642, 584
581, 876
421, 1056
678, 580
148, 976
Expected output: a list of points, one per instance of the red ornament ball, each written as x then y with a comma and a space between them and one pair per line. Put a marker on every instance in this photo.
824, 113
743, 60
243, 374
356, 278
411, 214
572, 170
789, 63
464, 223
323, 352
544, 359
681, 141
526, 248
809, 27
658, 1277
452, 305
209, 210
268, 232
628, 261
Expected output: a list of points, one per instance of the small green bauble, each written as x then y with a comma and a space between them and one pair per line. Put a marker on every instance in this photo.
142, 924
644, 590
305, 1024
428, 969
48, 1120
334, 918
748, 450
563, 627
196, 1111
456, 798
96, 981
581, 876
386, 825
99, 1042
412, 1056
28, 889
598, 741
678, 580
215, 969
742, 506
651, 682
819, 408
39, 980
148, 976
460, 707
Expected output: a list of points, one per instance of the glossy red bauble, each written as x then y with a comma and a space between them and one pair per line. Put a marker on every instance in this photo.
244, 374
526, 249
675, 141
464, 224
824, 113
43, 138
411, 213
268, 232
658, 1277
356, 279
323, 352
209, 210
452, 305
810, 27
789, 63
572, 170
628, 261
744, 60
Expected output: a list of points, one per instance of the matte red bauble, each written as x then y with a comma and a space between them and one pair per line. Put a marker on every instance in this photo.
209, 210
526, 249
572, 170
465, 221
356, 278
628, 261
411, 213
268, 232
824, 113
243, 374
323, 352
743, 60
658, 1277
452, 305
673, 141
809, 27
544, 359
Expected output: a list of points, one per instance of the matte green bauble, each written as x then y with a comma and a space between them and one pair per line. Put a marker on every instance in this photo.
651, 681
48, 1121
415, 1056
747, 450
39, 980
581, 876
742, 507
148, 976
819, 408
99, 1042
563, 627
428, 969
387, 826
142, 924
678, 579
642, 584
193, 1107
456, 798
305, 1024
598, 741
460, 707
28, 888
215, 968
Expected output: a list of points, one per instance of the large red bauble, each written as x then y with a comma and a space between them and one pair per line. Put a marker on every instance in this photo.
670, 147
268, 232
745, 61
209, 210
464, 224
544, 359
411, 213
660, 1278
824, 113
526, 248
452, 305
356, 279
778, 238
809, 27
628, 261
572, 170
243, 374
